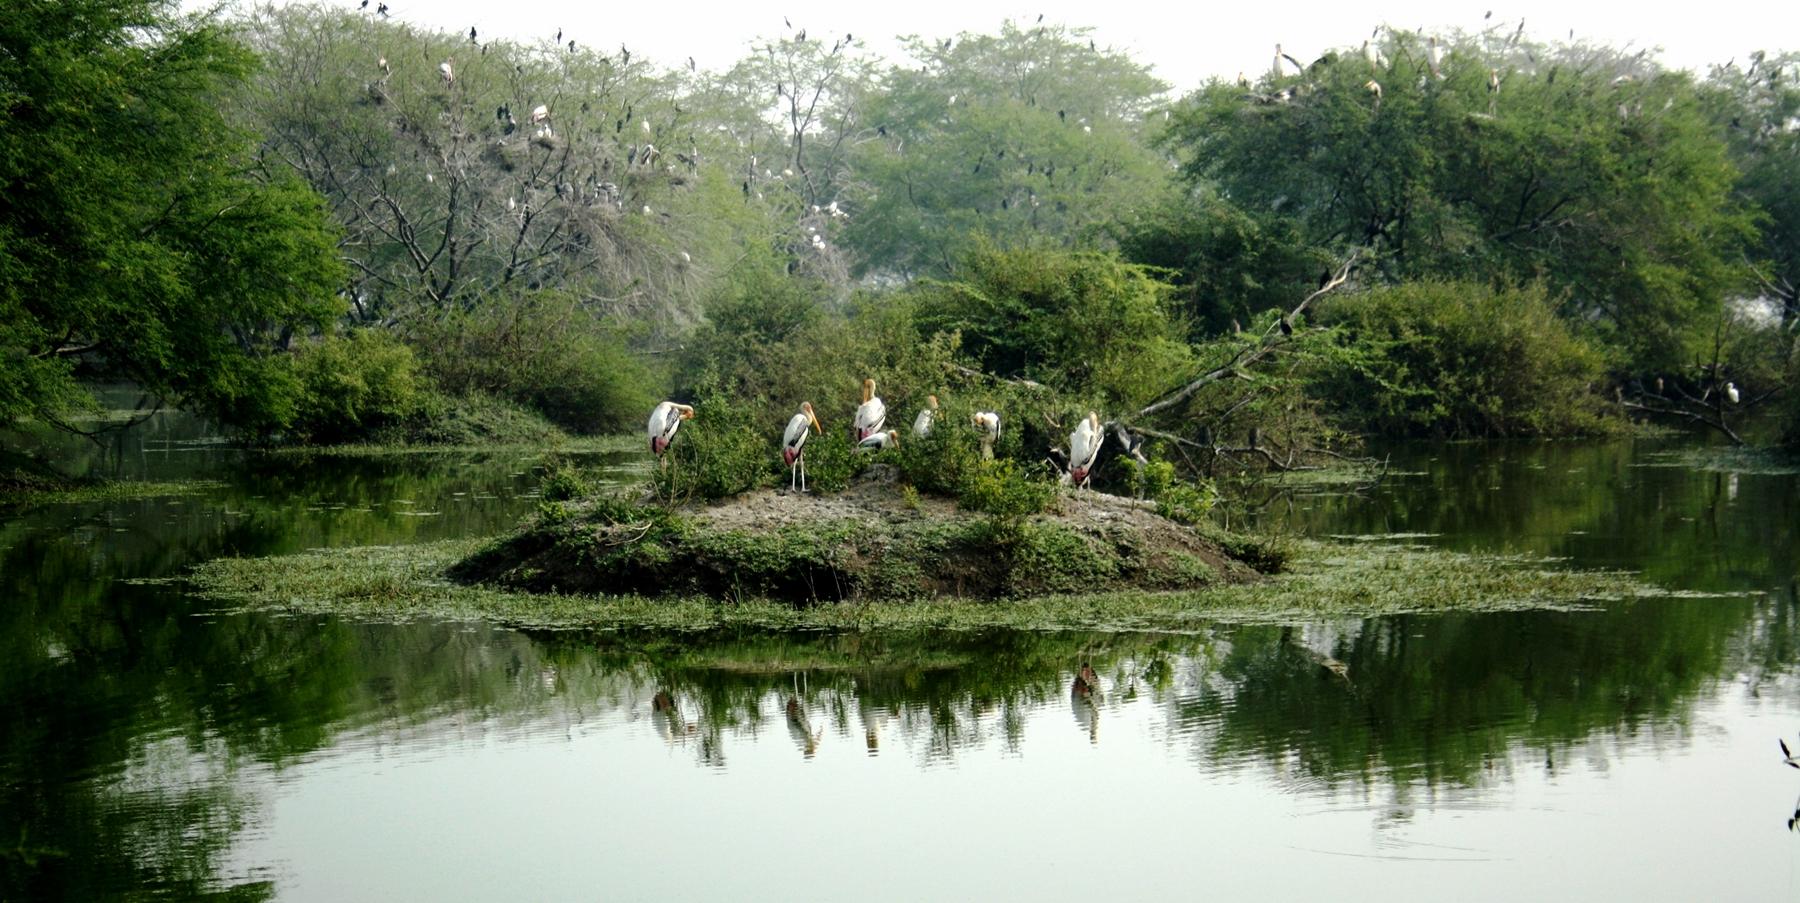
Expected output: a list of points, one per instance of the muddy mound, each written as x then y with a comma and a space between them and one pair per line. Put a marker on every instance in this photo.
874, 541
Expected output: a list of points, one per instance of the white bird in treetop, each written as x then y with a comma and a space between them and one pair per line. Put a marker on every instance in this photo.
1084, 449
793, 443
871, 415
989, 424
445, 70
665, 419
1731, 392
922, 423
1434, 57
540, 113
880, 441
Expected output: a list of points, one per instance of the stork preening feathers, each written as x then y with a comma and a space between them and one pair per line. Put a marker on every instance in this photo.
1084, 449
880, 441
922, 423
793, 443
871, 416
665, 419
988, 423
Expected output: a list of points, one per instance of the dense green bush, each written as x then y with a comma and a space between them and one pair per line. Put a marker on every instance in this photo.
725, 450
1080, 322
1007, 489
350, 385
475, 418
1457, 359
545, 351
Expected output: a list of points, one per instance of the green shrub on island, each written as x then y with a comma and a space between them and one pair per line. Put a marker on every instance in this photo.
725, 450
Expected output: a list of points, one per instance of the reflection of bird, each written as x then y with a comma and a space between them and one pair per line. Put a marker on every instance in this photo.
665, 419
1731, 392
798, 728
1084, 699
1084, 448
1787, 755
665, 716
871, 415
989, 424
793, 443
922, 423
880, 441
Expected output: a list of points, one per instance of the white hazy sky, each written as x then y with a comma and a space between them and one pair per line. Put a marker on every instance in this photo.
1184, 42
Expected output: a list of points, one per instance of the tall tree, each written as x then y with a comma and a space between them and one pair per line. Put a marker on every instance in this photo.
1757, 109
135, 240
1029, 135
1487, 156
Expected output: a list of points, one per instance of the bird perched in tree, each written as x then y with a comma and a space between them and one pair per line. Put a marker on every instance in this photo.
540, 113
1287, 326
1434, 57
922, 423
665, 419
1731, 392
880, 442
472, 35
1084, 449
445, 70
988, 423
793, 443
871, 415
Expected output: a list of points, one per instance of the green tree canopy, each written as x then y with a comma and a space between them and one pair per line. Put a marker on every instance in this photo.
1030, 135
135, 240
1757, 110
1593, 170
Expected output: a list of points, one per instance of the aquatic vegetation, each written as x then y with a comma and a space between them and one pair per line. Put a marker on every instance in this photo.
1736, 459
105, 491
404, 583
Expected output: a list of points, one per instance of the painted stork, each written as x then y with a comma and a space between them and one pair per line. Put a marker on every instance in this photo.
922, 423
793, 443
989, 424
1434, 57
665, 419
871, 416
445, 70
1084, 449
880, 442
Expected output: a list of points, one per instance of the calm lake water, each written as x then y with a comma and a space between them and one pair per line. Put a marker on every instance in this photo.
153, 747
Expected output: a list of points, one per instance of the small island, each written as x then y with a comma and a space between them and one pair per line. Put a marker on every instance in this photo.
876, 541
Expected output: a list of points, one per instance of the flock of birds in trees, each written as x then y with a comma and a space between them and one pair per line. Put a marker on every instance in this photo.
869, 432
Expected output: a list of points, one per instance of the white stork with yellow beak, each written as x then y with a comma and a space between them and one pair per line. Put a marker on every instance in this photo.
871, 416
989, 424
880, 441
1084, 449
665, 419
793, 443
922, 423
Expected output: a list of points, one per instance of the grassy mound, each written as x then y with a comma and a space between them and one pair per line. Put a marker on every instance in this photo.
874, 542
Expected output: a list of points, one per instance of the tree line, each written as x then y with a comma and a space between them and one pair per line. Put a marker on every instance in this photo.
316, 223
